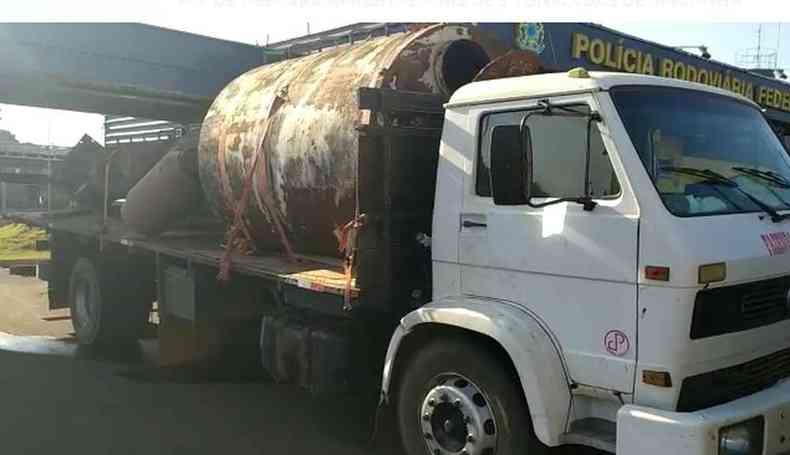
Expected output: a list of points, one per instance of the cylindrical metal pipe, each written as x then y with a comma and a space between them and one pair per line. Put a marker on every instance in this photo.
301, 115
167, 192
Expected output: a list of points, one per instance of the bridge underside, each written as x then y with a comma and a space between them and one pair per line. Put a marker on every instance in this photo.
58, 94
122, 69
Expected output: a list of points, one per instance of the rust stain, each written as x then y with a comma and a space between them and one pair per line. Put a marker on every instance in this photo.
513, 63
493, 46
306, 176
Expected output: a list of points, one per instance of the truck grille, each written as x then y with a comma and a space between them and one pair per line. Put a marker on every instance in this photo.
720, 386
768, 303
741, 307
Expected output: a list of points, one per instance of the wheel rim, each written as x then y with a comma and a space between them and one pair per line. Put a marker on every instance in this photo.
84, 305
456, 418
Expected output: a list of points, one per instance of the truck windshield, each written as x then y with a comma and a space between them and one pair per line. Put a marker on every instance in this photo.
707, 154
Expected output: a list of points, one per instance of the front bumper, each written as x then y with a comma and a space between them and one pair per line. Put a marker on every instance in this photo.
642, 430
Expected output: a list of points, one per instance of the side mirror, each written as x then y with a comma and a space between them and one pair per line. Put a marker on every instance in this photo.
510, 159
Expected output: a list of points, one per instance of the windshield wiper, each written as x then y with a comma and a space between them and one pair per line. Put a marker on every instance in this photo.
713, 177
707, 174
768, 176
771, 177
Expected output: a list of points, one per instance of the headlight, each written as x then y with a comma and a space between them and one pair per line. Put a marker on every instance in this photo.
742, 438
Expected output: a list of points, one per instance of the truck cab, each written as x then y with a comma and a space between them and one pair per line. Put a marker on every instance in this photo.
616, 246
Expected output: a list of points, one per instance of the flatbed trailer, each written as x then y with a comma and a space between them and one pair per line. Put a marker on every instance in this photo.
200, 318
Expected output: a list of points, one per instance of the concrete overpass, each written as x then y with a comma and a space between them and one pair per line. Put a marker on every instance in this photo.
122, 69
24, 169
26, 163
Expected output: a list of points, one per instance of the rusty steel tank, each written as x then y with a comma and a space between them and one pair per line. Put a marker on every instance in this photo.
299, 117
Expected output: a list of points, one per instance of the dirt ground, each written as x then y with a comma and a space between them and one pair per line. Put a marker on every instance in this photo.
59, 399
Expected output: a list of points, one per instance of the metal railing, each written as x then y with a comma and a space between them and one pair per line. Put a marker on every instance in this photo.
123, 130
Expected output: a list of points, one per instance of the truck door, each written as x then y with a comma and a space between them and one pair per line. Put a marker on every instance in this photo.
575, 270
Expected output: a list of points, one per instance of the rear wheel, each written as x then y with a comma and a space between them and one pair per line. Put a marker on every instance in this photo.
105, 309
455, 397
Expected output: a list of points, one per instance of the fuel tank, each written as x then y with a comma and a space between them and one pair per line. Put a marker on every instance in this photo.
300, 117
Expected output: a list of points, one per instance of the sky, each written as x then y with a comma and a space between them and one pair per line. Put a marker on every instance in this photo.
724, 40
256, 21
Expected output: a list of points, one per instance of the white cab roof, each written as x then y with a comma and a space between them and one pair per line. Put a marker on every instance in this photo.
538, 85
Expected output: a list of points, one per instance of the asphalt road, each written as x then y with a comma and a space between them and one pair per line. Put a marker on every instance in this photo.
62, 404
54, 404
58, 399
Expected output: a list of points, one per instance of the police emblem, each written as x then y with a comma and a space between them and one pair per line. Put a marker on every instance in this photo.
530, 37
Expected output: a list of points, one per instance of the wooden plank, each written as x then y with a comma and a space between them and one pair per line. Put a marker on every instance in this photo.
22, 262
204, 247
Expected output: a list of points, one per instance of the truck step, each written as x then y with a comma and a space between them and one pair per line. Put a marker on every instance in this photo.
593, 432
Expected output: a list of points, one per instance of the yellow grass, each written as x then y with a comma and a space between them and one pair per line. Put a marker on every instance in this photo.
18, 242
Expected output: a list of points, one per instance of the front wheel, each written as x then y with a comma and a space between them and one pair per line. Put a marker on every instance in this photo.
455, 397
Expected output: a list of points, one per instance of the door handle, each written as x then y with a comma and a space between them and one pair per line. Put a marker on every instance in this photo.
469, 224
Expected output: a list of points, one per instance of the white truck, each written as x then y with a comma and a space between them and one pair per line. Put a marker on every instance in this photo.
612, 252
610, 268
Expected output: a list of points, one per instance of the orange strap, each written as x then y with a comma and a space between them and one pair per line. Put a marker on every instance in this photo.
347, 244
238, 237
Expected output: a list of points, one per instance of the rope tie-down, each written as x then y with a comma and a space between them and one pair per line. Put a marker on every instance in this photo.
238, 237
347, 244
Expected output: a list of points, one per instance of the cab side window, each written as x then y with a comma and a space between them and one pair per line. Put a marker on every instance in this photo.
559, 145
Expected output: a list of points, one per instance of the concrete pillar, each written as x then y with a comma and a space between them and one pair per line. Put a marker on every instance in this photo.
3, 198
49, 182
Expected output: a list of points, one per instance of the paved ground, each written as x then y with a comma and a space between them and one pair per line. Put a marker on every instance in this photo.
23, 305
53, 404
58, 399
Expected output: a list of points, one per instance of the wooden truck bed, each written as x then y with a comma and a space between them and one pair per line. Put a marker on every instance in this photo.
203, 246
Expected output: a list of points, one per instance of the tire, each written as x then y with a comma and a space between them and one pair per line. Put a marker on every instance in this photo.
461, 382
104, 309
